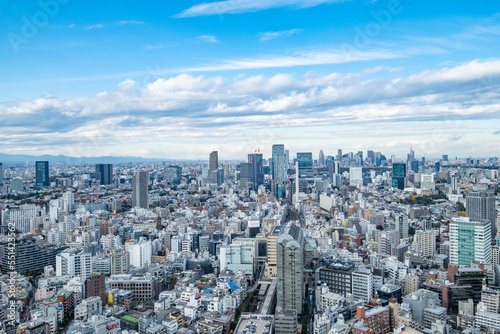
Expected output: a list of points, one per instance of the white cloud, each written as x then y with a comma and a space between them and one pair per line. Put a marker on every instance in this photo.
316, 57
266, 36
96, 26
208, 38
243, 6
429, 108
129, 22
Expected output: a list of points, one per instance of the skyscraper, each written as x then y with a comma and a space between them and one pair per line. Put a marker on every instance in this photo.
214, 162
290, 267
480, 205
104, 173
304, 159
321, 158
42, 174
257, 173
398, 175
246, 176
1, 173
277, 149
470, 240
140, 194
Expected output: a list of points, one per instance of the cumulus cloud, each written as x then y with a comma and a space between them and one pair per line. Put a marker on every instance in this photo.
183, 111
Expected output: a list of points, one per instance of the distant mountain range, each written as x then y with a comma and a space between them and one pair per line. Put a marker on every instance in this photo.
63, 158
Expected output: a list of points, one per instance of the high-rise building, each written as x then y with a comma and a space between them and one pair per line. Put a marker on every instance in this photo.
104, 173
42, 174
321, 158
480, 205
173, 173
362, 285
290, 263
279, 163
29, 257
140, 253
214, 161
399, 175
305, 160
241, 254
337, 276
1, 174
140, 194
401, 225
95, 287
120, 263
339, 155
355, 176
445, 157
246, 176
276, 149
426, 242
255, 159
74, 262
469, 241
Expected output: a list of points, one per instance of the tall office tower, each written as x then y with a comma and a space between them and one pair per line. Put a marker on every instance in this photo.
426, 242
370, 156
305, 161
359, 158
399, 175
246, 176
401, 225
339, 155
321, 159
470, 240
104, 173
331, 169
454, 185
480, 205
42, 174
445, 157
214, 162
362, 285
255, 159
287, 153
411, 158
140, 194
280, 166
290, 265
271, 270
1, 174
277, 149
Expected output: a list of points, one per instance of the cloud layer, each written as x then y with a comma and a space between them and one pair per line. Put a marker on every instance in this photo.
184, 115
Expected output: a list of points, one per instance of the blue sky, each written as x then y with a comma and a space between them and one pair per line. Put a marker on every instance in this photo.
178, 79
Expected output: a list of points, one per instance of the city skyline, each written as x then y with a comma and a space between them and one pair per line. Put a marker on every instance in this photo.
180, 79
